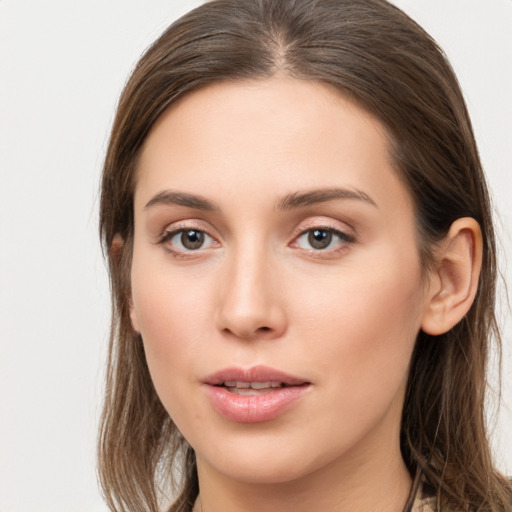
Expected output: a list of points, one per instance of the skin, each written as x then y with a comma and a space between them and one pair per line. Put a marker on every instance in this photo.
344, 318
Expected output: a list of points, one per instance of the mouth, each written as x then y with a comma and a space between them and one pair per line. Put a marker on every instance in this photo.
253, 388
254, 395
256, 378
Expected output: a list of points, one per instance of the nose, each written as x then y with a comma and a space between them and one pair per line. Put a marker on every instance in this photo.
251, 302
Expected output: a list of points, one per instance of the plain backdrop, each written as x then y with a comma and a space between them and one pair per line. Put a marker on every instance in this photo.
62, 66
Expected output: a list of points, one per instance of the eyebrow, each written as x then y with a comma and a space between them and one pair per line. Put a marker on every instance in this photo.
288, 202
323, 195
182, 199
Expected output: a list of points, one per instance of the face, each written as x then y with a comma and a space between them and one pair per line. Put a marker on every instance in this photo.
276, 280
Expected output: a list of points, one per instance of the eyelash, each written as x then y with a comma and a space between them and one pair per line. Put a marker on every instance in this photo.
169, 235
345, 240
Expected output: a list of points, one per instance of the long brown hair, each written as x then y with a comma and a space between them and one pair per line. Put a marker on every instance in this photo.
375, 55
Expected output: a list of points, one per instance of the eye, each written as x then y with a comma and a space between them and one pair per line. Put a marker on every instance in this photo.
320, 239
187, 240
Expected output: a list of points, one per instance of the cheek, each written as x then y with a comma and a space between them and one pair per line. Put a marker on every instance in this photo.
174, 317
364, 323
171, 331
359, 335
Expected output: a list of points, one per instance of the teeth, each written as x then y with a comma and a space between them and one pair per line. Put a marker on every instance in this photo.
262, 385
253, 385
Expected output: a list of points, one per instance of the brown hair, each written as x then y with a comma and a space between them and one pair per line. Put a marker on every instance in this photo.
374, 54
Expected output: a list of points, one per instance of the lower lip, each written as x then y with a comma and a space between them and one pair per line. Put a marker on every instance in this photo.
254, 408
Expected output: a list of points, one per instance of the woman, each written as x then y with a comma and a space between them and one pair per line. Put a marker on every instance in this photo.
303, 269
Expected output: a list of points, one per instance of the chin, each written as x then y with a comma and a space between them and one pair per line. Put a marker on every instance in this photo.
265, 472
265, 461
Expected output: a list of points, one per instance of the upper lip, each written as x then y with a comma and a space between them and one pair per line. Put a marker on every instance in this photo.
253, 374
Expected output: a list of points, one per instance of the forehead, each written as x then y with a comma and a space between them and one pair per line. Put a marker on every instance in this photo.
276, 134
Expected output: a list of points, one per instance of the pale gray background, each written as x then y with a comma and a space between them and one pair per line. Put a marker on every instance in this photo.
62, 66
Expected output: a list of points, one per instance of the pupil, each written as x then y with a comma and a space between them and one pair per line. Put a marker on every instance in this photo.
319, 238
192, 239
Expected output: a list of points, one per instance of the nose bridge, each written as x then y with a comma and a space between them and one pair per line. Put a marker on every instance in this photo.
250, 304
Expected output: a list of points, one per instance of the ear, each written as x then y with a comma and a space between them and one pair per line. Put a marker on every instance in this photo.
133, 316
454, 281
116, 250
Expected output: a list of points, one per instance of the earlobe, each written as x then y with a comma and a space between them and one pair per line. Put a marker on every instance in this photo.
133, 316
454, 281
116, 247
116, 251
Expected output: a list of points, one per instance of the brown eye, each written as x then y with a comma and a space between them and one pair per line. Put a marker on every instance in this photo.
192, 239
319, 238
323, 239
183, 241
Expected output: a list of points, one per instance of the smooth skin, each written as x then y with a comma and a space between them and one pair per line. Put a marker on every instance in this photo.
328, 287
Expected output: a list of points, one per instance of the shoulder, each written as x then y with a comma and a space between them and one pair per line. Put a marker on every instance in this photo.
424, 504
425, 499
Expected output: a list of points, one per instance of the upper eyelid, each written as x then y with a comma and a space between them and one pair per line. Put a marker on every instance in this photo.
188, 224
327, 224
324, 228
